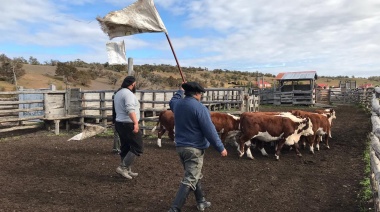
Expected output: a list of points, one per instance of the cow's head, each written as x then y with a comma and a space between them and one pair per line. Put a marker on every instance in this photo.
332, 112
236, 123
306, 127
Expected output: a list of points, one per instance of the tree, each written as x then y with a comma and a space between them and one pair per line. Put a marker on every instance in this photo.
173, 82
82, 77
118, 68
33, 61
113, 78
11, 70
67, 71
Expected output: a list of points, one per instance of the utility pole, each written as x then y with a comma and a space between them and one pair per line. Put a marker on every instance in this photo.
14, 73
14, 76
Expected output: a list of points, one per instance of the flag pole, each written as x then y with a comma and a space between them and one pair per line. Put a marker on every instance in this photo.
175, 57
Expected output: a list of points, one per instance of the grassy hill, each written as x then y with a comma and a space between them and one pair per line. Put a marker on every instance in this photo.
41, 76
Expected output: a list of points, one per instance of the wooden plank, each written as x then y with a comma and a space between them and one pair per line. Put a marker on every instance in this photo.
375, 105
20, 102
375, 120
32, 92
20, 128
21, 110
61, 118
20, 119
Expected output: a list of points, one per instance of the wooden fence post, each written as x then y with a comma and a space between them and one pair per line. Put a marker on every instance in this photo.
242, 95
142, 116
103, 111
82, 112
153, 105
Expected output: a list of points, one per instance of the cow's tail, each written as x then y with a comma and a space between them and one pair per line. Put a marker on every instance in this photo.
155, 127
158, 122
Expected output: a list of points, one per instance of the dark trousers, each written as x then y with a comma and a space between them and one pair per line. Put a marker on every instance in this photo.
129, 141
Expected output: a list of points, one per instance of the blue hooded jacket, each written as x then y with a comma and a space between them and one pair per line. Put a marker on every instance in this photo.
193, 125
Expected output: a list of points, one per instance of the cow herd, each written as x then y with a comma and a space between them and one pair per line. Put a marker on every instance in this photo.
257, 128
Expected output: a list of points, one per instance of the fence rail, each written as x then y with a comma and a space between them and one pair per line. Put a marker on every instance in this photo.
21, 108
310, 97
375, 148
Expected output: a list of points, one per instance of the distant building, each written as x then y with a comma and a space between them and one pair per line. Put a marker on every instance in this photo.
322, 86
296, 88
367, 85
263, 84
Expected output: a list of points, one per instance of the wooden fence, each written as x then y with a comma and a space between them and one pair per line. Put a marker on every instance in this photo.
25, 109
80, 107
375, 148
327, 96
350, 96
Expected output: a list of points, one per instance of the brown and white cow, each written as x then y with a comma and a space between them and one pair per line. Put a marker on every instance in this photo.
260, 143
270, 128
321, 128
225, 124
330, 112
166, 122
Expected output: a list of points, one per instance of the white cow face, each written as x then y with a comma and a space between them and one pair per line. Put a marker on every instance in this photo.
307, 127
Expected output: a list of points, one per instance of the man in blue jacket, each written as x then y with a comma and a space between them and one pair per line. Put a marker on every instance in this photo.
194, 132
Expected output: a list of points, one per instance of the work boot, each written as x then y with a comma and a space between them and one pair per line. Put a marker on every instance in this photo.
202, 204
180, 198
132, 174
127, 162
123, 171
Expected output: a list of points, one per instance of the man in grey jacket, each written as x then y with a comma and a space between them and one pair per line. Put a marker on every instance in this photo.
127, 109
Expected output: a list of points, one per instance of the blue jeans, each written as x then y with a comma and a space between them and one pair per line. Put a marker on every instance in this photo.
192, 161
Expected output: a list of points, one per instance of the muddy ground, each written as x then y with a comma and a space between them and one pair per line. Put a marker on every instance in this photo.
43, 172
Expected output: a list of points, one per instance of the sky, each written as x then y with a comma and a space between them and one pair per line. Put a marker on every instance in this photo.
331, 37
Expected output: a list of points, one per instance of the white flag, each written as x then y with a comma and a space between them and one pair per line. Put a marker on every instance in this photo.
116, 53
138, 17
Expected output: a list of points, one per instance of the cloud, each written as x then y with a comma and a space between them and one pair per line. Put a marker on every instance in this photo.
333, 37
338, 34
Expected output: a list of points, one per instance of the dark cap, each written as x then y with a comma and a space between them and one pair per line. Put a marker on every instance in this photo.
193, 87
129, 80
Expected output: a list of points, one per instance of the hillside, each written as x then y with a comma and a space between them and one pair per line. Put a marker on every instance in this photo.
41, 76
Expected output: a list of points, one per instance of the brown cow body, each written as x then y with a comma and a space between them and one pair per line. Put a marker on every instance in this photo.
326, 112
166, 122
225, 124
321, 128
260, 143
271, 128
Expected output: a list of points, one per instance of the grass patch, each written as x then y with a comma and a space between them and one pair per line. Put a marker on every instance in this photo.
365, 195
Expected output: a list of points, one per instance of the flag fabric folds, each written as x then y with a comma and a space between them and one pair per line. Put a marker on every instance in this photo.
116, 53
139, 17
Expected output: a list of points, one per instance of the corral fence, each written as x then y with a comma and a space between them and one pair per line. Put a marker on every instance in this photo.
25, 109
375, 148
332, 96
361, 96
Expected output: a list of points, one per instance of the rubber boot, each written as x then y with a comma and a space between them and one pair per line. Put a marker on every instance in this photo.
116, 141
128, 161
200, 197
180, 198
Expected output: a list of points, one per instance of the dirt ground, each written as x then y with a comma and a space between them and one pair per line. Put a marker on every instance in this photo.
43, 172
